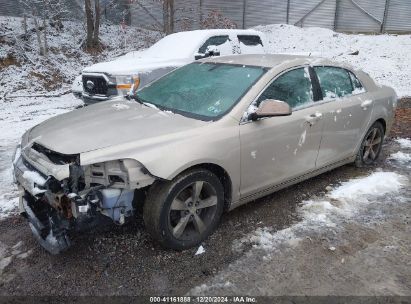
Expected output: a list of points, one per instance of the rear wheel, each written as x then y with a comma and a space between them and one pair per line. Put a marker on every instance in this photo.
371, 146
183, 212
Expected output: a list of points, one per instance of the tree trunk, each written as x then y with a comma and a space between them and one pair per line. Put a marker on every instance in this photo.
96, 41
90, 23
36, 25
45, 49
171, 15
25, 25
127, 12
165, 17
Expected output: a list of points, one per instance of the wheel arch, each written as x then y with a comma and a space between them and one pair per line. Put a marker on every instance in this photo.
383, 122
222, 175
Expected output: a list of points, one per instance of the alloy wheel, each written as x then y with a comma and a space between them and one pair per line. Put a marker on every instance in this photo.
372, 145
192, 210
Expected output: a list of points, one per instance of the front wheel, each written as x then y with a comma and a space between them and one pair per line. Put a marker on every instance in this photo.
371, 146
183, 212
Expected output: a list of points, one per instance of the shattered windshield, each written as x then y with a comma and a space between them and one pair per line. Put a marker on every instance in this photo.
201, 90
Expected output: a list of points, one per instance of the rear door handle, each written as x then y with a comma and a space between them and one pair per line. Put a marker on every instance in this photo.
313, 118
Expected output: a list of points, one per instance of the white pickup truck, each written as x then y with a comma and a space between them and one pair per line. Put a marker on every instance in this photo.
105, 80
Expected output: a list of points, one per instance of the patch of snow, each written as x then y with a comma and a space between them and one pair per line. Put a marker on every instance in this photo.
253, 154
366, 103
340, 204
385, 57
302, 138
202, 289
24, 255
4, 262
250, 110
200, 250
402, 158
358, 91
15, 118
34, 177
378, 183
405, 143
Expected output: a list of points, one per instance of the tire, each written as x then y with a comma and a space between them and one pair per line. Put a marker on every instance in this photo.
371, 146
173, 219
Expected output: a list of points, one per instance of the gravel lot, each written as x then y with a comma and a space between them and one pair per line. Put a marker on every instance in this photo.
124, 261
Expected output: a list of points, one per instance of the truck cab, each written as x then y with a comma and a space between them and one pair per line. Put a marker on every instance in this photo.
105, 80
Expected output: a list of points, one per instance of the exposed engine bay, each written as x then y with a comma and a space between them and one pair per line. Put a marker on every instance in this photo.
58, 195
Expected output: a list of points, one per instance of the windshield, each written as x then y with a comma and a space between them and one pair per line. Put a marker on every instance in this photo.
201, 90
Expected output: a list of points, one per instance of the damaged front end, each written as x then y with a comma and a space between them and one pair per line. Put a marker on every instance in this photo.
58, 195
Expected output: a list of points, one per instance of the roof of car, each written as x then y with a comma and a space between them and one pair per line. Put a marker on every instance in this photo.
266, 60
218, 32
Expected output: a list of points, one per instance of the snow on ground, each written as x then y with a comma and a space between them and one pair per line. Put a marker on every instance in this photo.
401, 158
341, 203
322, 245
404, 142
387, 58
15, 118
33, 74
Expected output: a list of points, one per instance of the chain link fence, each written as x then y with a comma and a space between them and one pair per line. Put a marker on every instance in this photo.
368, 16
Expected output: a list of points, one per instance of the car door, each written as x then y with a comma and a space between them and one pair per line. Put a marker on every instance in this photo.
346, 113
277, 149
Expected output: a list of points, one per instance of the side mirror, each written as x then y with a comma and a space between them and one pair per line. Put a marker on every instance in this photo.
270, 108
211, 51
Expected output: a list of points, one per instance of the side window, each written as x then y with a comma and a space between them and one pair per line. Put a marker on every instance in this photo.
358, 88
335, 82
293, 87
216, 40
250, 40
250, 44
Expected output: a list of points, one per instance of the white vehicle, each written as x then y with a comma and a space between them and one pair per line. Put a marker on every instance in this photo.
105, 80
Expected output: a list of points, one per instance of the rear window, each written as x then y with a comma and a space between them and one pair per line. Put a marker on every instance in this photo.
250, 40
335, 82
358, 88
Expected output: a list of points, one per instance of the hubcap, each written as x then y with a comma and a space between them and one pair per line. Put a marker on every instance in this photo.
372, 145
192, 210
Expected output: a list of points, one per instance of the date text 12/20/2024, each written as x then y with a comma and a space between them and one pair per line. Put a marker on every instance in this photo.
203, 299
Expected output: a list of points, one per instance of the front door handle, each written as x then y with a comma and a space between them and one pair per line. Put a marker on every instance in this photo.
314, 118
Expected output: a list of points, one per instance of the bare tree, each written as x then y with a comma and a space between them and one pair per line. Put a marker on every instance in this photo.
215, 19
45, 10
168, 16
93, 23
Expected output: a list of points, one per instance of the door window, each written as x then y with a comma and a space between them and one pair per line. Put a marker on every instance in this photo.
250, 40
250, 44
293, 87
335, 82
217, 41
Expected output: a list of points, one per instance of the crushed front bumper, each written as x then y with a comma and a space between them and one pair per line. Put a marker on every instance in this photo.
54, 244
43, 219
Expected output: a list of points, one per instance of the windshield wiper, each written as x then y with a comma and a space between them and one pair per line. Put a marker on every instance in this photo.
137, 98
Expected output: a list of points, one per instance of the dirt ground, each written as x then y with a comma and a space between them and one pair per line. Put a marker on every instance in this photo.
124, 261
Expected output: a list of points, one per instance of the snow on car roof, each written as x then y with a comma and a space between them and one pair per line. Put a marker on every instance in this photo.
271, 60
185, 44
